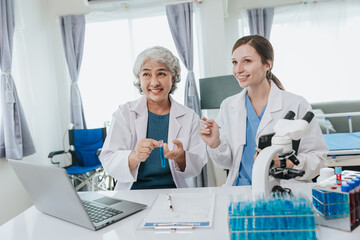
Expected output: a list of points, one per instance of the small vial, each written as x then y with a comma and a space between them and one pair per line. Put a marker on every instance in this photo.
352, 206
162, 155
338, 171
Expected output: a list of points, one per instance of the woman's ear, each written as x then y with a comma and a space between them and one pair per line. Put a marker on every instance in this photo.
269, 64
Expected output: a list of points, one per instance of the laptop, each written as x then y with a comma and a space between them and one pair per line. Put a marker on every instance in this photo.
53, 193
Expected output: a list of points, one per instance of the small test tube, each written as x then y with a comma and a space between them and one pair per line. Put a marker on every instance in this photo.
162, 155
338, 171
209, 124
202, 121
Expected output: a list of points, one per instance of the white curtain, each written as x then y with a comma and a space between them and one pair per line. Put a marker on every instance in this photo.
260, 21
317, 49
121, 41
73, 35
180, 18
15, 138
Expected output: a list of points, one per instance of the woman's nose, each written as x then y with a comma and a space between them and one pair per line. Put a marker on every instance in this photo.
238, 68
154, 81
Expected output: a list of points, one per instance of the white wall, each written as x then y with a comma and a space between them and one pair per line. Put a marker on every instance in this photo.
43, 89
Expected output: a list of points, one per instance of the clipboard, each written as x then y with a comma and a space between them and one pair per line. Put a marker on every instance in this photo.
190, 210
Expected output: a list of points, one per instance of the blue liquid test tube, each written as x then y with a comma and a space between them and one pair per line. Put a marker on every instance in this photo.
162, 155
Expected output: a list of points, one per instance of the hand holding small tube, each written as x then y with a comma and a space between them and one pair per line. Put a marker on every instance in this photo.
209, 132
177, 154
142, 151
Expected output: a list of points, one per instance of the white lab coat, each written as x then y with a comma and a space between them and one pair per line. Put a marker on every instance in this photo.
129, 125
232, 119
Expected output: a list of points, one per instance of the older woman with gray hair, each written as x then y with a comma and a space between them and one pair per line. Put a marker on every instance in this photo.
132, 152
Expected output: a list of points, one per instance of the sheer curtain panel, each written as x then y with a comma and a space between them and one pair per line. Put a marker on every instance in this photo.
260, 21
73, 34
15, 138
180, 18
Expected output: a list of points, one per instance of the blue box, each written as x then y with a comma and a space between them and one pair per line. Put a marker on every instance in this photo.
338, 205
330, 204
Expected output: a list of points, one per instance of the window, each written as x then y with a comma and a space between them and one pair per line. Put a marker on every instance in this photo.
316, 49
106, 78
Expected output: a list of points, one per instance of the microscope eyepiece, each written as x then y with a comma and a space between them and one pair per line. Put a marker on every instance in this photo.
308, 116
290, 115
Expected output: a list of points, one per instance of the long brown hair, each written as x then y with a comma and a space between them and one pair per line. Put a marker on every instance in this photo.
264, 48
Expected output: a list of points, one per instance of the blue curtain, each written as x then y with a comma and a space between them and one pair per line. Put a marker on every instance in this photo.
260, 21
73, 34
15, 138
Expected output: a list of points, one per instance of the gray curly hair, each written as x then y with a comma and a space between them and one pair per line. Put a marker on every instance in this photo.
159, 55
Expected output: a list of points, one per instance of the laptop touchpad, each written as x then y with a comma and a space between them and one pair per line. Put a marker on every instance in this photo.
107, 201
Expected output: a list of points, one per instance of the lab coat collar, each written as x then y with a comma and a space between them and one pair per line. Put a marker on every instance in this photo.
140, 106
176, 111
141, 110
239, 113
274, 104
275, 98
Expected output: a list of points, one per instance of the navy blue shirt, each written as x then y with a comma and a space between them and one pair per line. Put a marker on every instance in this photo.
247, 160
151, 175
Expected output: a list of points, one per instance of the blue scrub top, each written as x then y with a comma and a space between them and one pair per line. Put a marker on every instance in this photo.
247, 162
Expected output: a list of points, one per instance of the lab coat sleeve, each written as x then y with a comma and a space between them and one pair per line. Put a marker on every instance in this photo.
195, 152
117, 148
312, 149
222, 155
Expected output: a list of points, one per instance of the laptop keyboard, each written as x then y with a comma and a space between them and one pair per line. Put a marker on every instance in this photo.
98, 214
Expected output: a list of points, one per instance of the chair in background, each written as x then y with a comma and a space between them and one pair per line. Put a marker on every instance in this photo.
85, 171
214, 90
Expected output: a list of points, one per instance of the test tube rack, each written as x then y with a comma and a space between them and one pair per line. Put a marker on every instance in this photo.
338, 202
275, 218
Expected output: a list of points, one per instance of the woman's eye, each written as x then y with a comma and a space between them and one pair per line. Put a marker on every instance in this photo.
145, 74
247, 61
234, 62
162, 74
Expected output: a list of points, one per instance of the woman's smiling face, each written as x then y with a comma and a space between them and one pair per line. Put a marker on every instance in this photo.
248, 67
155, 81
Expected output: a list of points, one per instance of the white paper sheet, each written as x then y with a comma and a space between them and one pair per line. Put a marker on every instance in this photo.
189, 209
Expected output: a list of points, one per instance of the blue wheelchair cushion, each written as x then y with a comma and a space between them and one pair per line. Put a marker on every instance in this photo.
74, 170
86, 143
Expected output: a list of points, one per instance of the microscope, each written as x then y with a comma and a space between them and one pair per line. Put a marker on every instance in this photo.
266, 178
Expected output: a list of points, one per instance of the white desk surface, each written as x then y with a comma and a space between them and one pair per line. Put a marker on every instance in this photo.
32, 224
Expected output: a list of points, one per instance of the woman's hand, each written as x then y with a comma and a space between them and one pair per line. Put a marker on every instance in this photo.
289, 164
177, 154
142, 151
209, 132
